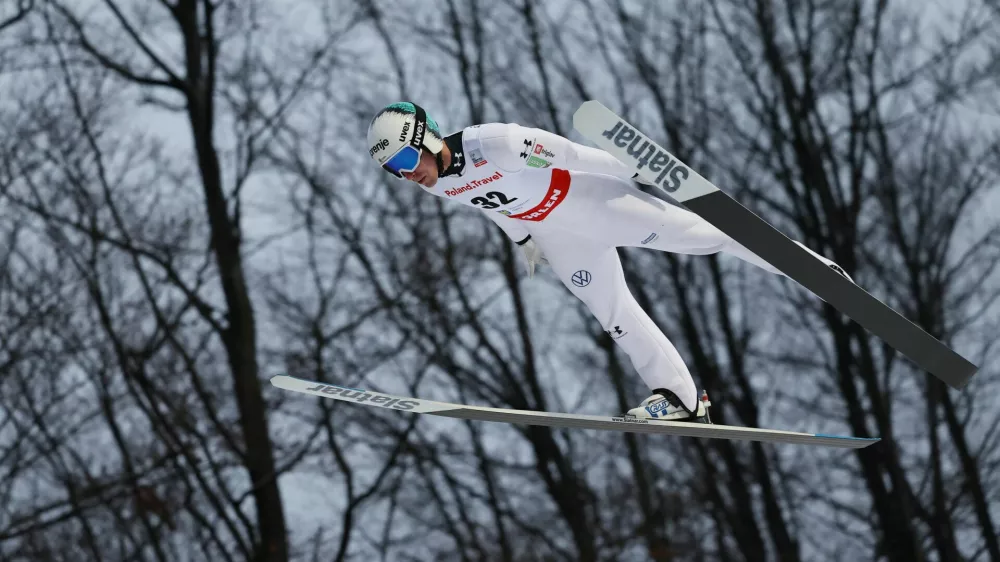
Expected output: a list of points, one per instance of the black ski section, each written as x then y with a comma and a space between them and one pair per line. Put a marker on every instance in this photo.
761, 238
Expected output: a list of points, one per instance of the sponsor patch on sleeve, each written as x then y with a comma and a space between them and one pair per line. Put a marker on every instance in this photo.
477, 158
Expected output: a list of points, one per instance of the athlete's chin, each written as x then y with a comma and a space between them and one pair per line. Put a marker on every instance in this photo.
429, 182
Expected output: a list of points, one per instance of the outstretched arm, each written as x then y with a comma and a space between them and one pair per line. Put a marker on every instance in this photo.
516, 231
513, 148
561, 152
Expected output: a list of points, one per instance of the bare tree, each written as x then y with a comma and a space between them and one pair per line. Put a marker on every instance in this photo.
166, 289
188, 207
819, 126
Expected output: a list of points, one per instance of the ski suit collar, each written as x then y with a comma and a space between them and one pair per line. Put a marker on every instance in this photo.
457, 165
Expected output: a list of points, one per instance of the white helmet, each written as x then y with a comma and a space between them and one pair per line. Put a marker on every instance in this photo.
396, 127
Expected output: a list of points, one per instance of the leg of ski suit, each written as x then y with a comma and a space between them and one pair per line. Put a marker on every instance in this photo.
593, 272
612, 211
580, 237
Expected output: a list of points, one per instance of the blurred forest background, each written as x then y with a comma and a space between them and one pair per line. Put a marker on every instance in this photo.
187, 208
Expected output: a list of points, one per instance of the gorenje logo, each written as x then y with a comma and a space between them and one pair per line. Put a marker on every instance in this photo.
380, 145
623, 135
406, 129
360, 396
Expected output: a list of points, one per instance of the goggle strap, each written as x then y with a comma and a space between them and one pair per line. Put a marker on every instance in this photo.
419, 128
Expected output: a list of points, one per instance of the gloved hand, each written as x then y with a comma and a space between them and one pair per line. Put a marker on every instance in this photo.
532, 253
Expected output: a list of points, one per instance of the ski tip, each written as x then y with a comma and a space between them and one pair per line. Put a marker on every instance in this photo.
869, 440
962, 376
288, 382
591, 105
587, 110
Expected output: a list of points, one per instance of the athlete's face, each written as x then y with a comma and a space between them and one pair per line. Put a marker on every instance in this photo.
426, 173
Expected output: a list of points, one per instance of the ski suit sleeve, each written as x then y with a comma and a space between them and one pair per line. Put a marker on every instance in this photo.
511, 227
542, 149
513, 148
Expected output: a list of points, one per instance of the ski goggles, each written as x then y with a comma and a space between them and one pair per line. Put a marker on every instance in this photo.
407, 158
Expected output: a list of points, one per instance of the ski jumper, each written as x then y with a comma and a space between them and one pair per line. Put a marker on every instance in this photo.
578, 205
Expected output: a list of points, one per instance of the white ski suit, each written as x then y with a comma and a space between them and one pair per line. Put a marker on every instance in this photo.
578, 205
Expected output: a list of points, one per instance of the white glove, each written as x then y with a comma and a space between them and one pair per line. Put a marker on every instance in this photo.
533, 254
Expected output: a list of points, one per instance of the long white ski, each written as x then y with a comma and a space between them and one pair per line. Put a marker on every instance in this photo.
648, 159
555, 419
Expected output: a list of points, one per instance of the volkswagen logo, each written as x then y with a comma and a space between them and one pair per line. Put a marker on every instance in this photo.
581, 278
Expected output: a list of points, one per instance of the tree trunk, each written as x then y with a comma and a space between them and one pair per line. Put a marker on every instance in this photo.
239, 338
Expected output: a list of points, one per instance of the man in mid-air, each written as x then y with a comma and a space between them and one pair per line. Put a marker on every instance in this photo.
574, 205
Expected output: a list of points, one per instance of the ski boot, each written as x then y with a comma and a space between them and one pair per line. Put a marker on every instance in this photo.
664, 405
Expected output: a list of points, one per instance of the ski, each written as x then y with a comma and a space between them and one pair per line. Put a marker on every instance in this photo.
555, 419
648, 159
